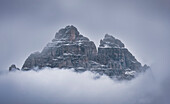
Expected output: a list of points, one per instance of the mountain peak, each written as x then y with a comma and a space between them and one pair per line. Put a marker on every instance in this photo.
69, 49
108, 36
111, 42
70, 27
70, 32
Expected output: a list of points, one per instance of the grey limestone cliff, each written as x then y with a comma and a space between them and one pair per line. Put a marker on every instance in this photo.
70, 49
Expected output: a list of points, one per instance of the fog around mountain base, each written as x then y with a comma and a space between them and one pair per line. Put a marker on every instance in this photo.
56, 86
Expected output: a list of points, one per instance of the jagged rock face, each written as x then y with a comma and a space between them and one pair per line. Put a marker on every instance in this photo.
110, 42
13, 68
70, 49
112, 53
69, 33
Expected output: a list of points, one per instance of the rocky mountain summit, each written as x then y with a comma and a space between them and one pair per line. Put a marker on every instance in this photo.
13, 68
71, 50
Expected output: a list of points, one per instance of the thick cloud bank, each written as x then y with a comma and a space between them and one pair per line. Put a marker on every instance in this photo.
53, 86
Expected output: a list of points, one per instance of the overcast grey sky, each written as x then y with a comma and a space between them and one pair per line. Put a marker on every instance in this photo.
27, 26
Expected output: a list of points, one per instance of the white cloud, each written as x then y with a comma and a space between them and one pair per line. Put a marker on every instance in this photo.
53, 86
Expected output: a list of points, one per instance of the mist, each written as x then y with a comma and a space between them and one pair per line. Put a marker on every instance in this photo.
56, 86
27, 26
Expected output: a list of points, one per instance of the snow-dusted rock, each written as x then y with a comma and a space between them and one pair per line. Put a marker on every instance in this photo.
69, 49
110, 42
115, 55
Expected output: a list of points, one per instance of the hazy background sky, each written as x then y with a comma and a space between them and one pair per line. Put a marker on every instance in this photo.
27, 26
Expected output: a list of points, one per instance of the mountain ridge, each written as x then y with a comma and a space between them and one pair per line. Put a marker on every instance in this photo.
70, 49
